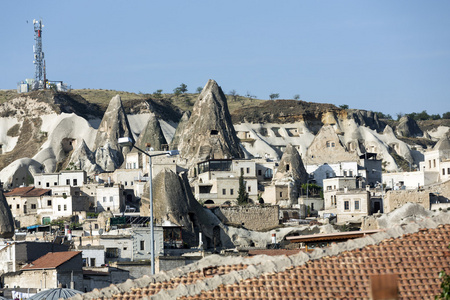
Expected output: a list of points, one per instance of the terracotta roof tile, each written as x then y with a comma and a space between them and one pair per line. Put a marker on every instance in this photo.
28, 191
415, 259
51, 260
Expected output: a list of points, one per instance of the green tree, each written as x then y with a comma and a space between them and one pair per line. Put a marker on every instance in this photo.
445, 286
446, 115
233, 95
296, 97
343, 106
199, 90
183, 88
177, 91
242, 198
157, 94
274, 96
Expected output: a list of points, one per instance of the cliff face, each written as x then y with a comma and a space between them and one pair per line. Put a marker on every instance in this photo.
52, 131
209, 132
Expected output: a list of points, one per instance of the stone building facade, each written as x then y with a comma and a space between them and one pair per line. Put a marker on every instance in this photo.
258, 218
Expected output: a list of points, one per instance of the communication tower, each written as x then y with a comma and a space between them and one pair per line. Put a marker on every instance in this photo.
39, 62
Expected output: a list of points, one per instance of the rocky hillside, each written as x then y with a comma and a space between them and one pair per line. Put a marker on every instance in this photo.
47, 130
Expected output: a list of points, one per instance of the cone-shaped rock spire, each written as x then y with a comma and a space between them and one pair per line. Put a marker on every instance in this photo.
210, 132
291, 165
180, 129
6, 219
152, 134
113, 126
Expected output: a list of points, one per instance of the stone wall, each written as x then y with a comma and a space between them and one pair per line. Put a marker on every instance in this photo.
259, 218
396, 199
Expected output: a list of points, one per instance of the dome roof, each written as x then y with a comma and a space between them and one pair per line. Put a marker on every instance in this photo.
55, 294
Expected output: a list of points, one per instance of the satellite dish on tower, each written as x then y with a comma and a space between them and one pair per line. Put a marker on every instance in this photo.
100, 231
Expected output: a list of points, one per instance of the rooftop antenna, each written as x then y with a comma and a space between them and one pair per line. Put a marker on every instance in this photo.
39, 62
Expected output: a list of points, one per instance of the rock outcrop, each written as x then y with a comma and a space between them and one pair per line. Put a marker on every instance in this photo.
6, 219
327, 148
408, 127
83, 159
173, 201
180, 129
291, 166
209, 132
152, 135
108, 154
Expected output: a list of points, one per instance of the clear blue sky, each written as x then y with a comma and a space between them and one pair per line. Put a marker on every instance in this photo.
389, 56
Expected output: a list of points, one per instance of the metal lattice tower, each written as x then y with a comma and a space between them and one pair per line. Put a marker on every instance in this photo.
39, 73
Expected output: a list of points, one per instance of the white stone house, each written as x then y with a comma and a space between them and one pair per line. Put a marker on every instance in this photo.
343, 199
132, 244
218, 180
109, 197
70, 178
437, 161
49, 271
93, 256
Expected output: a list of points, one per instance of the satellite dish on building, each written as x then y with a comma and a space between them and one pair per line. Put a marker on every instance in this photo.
100, 231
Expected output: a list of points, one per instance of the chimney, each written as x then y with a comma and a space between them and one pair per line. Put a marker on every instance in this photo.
384, 287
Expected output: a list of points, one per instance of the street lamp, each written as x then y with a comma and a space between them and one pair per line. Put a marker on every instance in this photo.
127, 141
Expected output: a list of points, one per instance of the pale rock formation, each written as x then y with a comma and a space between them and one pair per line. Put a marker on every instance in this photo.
108, 158
152, 134
209, 132
180, 129
291, 166
83, 159
408, 127
21, 169
6, 218
109, 155
327, 148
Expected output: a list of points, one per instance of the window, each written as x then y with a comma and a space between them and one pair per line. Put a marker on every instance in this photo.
312, 206
67, 181
350, 173
55, 183
142, 246
18, 206
65, 207
75, 182
434, 163
49, 202
231, 191
47, 184
39, 183
112, 252
345, 173
33, 206
59, 207
281, 194
95, 226
249, 188
126, 183
448, 171
10, 206
357, 205
287, 167
110, 198
429, 163
259, 172
224, 191
92, 262
443, 171
346, 205
248, 170
104, 199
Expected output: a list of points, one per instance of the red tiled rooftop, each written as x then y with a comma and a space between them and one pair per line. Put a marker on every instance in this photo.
51, 260
28, 191
415, 259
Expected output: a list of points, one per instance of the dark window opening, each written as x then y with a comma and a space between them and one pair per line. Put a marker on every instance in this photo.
214, 132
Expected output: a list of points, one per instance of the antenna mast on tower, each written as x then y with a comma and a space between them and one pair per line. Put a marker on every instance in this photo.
39, 62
